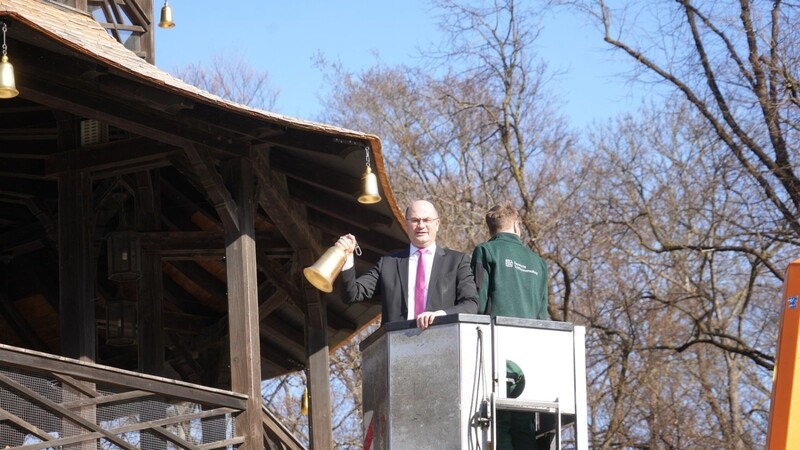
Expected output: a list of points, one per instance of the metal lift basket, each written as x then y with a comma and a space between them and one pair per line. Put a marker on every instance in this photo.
442, 388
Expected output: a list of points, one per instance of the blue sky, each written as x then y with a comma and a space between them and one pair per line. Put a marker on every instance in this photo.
282, 37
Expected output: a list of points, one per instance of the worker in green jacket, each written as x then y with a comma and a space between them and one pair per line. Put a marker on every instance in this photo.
512, 282
511, 279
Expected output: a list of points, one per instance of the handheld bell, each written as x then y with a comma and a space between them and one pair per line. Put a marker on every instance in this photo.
8, 88
369, 186
166, 16
323, 273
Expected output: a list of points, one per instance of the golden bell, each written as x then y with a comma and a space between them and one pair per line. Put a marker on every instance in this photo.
323, 272
304, 403
369, 186
166, 16
8, 89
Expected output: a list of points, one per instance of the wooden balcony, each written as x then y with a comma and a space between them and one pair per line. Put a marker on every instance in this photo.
48, 402
228, 202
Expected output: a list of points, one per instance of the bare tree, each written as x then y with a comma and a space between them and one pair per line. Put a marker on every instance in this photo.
232, 78
733, 224
736, 63
685, 309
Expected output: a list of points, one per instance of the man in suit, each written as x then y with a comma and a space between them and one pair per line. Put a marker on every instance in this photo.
418, 283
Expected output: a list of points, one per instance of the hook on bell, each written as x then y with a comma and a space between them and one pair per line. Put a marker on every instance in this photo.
166, 16
8, 88
369, 184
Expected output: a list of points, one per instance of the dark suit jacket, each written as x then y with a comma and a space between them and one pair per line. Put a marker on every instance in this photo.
451, 287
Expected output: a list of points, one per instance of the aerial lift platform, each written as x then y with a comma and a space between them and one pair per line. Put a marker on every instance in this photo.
443, 387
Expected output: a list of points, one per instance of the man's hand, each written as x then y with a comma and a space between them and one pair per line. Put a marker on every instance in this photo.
424, 320
347, 243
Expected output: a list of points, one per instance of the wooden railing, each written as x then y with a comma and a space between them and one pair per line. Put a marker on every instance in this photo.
276, 435
51, 402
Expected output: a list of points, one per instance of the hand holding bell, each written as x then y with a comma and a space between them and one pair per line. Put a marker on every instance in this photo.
348, 243
323, 273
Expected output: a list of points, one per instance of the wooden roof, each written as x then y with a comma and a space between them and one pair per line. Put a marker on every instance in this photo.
156, 150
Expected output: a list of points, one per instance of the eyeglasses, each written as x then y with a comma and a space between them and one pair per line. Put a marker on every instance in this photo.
426, 221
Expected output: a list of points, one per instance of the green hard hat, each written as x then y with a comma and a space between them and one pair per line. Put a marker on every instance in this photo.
515, 379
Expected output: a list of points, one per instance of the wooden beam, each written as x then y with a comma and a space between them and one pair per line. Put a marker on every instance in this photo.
279, 357
318, 363
277, 275
45, 217
30, 149
245, 345
209, 243
345, 209
181, 298
271, 303
63, 412
286, 337
195, 279
276, 203
43, 363
124, 156
182, 352
76, 274
187, 323
22, 168
201, 165
23, 188
22, 240
302, 166
151, 348
126, 117
92, 91
278, 431
318, 142
180, 211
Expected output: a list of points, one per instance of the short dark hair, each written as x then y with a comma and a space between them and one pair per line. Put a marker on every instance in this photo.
501, 217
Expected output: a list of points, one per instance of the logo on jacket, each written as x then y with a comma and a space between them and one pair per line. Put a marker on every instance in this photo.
510, 263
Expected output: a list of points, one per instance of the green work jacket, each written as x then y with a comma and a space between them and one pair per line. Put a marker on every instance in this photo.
511, 279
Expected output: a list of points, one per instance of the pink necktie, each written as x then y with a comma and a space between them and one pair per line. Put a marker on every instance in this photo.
419, 287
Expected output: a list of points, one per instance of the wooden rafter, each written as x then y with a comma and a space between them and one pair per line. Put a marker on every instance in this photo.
202, 166
276, 204
113, 158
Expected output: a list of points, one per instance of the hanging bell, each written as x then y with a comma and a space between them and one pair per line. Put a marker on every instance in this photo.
323, 273
8, 88
304, 403
369, 188
166, 16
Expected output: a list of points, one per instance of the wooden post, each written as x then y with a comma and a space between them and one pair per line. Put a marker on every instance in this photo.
318, 363
150, 303
151, 346
245, 346
148, 37
76, 275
